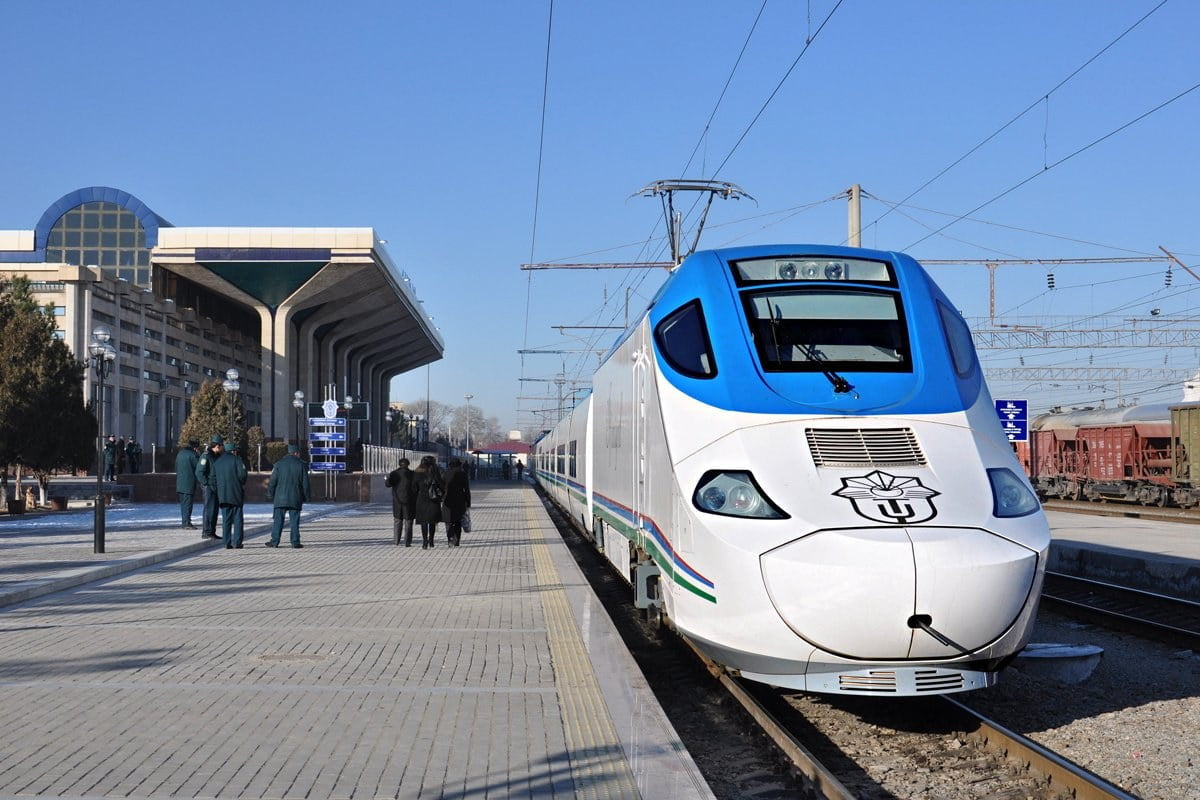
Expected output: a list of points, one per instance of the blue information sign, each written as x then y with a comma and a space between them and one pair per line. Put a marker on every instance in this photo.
1014, 418
1017, 430
327, 437
327, 451
327, 422
339, 466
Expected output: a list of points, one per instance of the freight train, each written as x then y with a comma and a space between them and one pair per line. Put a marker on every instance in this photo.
1137, 454
793, 457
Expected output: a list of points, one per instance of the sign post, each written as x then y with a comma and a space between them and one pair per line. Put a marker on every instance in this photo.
1014, 419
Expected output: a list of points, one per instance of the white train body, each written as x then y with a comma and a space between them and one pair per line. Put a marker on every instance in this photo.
823, 523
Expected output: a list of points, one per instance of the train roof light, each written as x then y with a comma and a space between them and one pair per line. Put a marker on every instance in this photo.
777, 270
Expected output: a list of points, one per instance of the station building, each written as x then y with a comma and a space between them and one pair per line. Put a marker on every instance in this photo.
321, 310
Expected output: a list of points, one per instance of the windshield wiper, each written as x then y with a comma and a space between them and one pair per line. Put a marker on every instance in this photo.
840, 384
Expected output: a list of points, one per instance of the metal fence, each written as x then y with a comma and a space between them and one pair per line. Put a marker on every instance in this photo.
382, 460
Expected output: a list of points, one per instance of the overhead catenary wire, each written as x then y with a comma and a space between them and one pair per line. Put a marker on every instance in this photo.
537, 191
1043, 97
1061, 161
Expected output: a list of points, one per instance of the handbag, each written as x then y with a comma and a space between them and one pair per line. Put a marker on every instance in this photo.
466, 520
436, 493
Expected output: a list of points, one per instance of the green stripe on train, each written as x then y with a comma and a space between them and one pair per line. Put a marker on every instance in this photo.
662, 559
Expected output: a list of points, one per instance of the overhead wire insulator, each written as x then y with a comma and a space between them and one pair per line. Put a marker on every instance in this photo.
1167, 277
1049, 280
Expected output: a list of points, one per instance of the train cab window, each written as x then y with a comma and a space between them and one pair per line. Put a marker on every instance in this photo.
682, 338
958, 336
817, 329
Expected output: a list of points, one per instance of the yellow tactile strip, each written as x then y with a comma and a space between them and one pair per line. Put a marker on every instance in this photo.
598, 764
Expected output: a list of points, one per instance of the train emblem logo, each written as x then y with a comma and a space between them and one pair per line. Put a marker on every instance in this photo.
895, 499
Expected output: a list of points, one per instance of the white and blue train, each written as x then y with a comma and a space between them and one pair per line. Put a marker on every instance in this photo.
794, 459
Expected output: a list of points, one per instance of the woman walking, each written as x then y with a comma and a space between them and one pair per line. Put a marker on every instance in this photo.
457, 501
430, 491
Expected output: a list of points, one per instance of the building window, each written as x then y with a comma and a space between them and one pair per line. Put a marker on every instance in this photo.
104, 235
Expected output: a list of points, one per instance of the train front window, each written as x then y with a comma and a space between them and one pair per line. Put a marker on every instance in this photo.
815, 330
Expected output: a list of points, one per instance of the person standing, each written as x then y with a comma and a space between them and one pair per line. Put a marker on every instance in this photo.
506, 469
133, 455
403, 486
206, 476
110, 458
427, 511
121, 455
185, 480
287, 490
231, 474
520, 469
456, 501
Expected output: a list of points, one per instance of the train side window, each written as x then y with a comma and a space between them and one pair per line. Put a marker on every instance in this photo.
958, 336
571, 457
682, 338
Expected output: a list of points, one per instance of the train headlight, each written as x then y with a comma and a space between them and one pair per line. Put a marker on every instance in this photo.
734, 494
1010, 496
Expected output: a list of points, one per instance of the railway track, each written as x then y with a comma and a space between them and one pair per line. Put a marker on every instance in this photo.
981, 757
1134, 610
1130, 510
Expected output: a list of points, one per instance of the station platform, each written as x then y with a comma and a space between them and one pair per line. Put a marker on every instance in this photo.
1153, 555
350, 668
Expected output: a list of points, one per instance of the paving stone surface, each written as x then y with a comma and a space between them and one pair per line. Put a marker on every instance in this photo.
349, 668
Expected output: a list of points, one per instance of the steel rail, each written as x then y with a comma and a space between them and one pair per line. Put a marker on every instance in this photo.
803, 760
1122, 509
1082, 784
1175, 606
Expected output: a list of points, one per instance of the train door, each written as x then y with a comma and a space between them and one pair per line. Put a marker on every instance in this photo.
641, 478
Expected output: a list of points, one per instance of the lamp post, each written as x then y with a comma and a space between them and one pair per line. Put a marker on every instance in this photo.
298, 404
103, 355
468, 447
348, 404
231, 386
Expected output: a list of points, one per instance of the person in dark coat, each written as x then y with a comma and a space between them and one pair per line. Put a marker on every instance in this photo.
185, 480
520, 469
287, 490
230, 474
120, 455
404, 488
110, 458
207, 478
427, 511
506, 469
456, 501
133, 455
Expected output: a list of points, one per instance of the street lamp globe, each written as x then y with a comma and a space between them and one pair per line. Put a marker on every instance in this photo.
232, 374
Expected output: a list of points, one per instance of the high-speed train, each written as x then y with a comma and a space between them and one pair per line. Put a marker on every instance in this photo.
794, 459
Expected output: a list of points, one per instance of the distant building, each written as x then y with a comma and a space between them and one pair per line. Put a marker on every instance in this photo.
321, 310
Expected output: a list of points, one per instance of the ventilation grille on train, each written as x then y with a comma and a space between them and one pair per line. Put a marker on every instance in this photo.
871, 447
887, 681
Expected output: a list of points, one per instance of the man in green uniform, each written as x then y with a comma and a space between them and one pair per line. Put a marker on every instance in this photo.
185, 480
287, 489
110, 458
230, 475
207, 478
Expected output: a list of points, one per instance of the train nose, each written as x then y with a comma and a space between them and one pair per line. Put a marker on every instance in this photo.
862, 593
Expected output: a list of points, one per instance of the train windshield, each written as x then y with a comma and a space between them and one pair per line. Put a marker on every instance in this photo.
819, 329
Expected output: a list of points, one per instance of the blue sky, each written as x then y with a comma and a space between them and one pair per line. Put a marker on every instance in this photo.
424, 121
